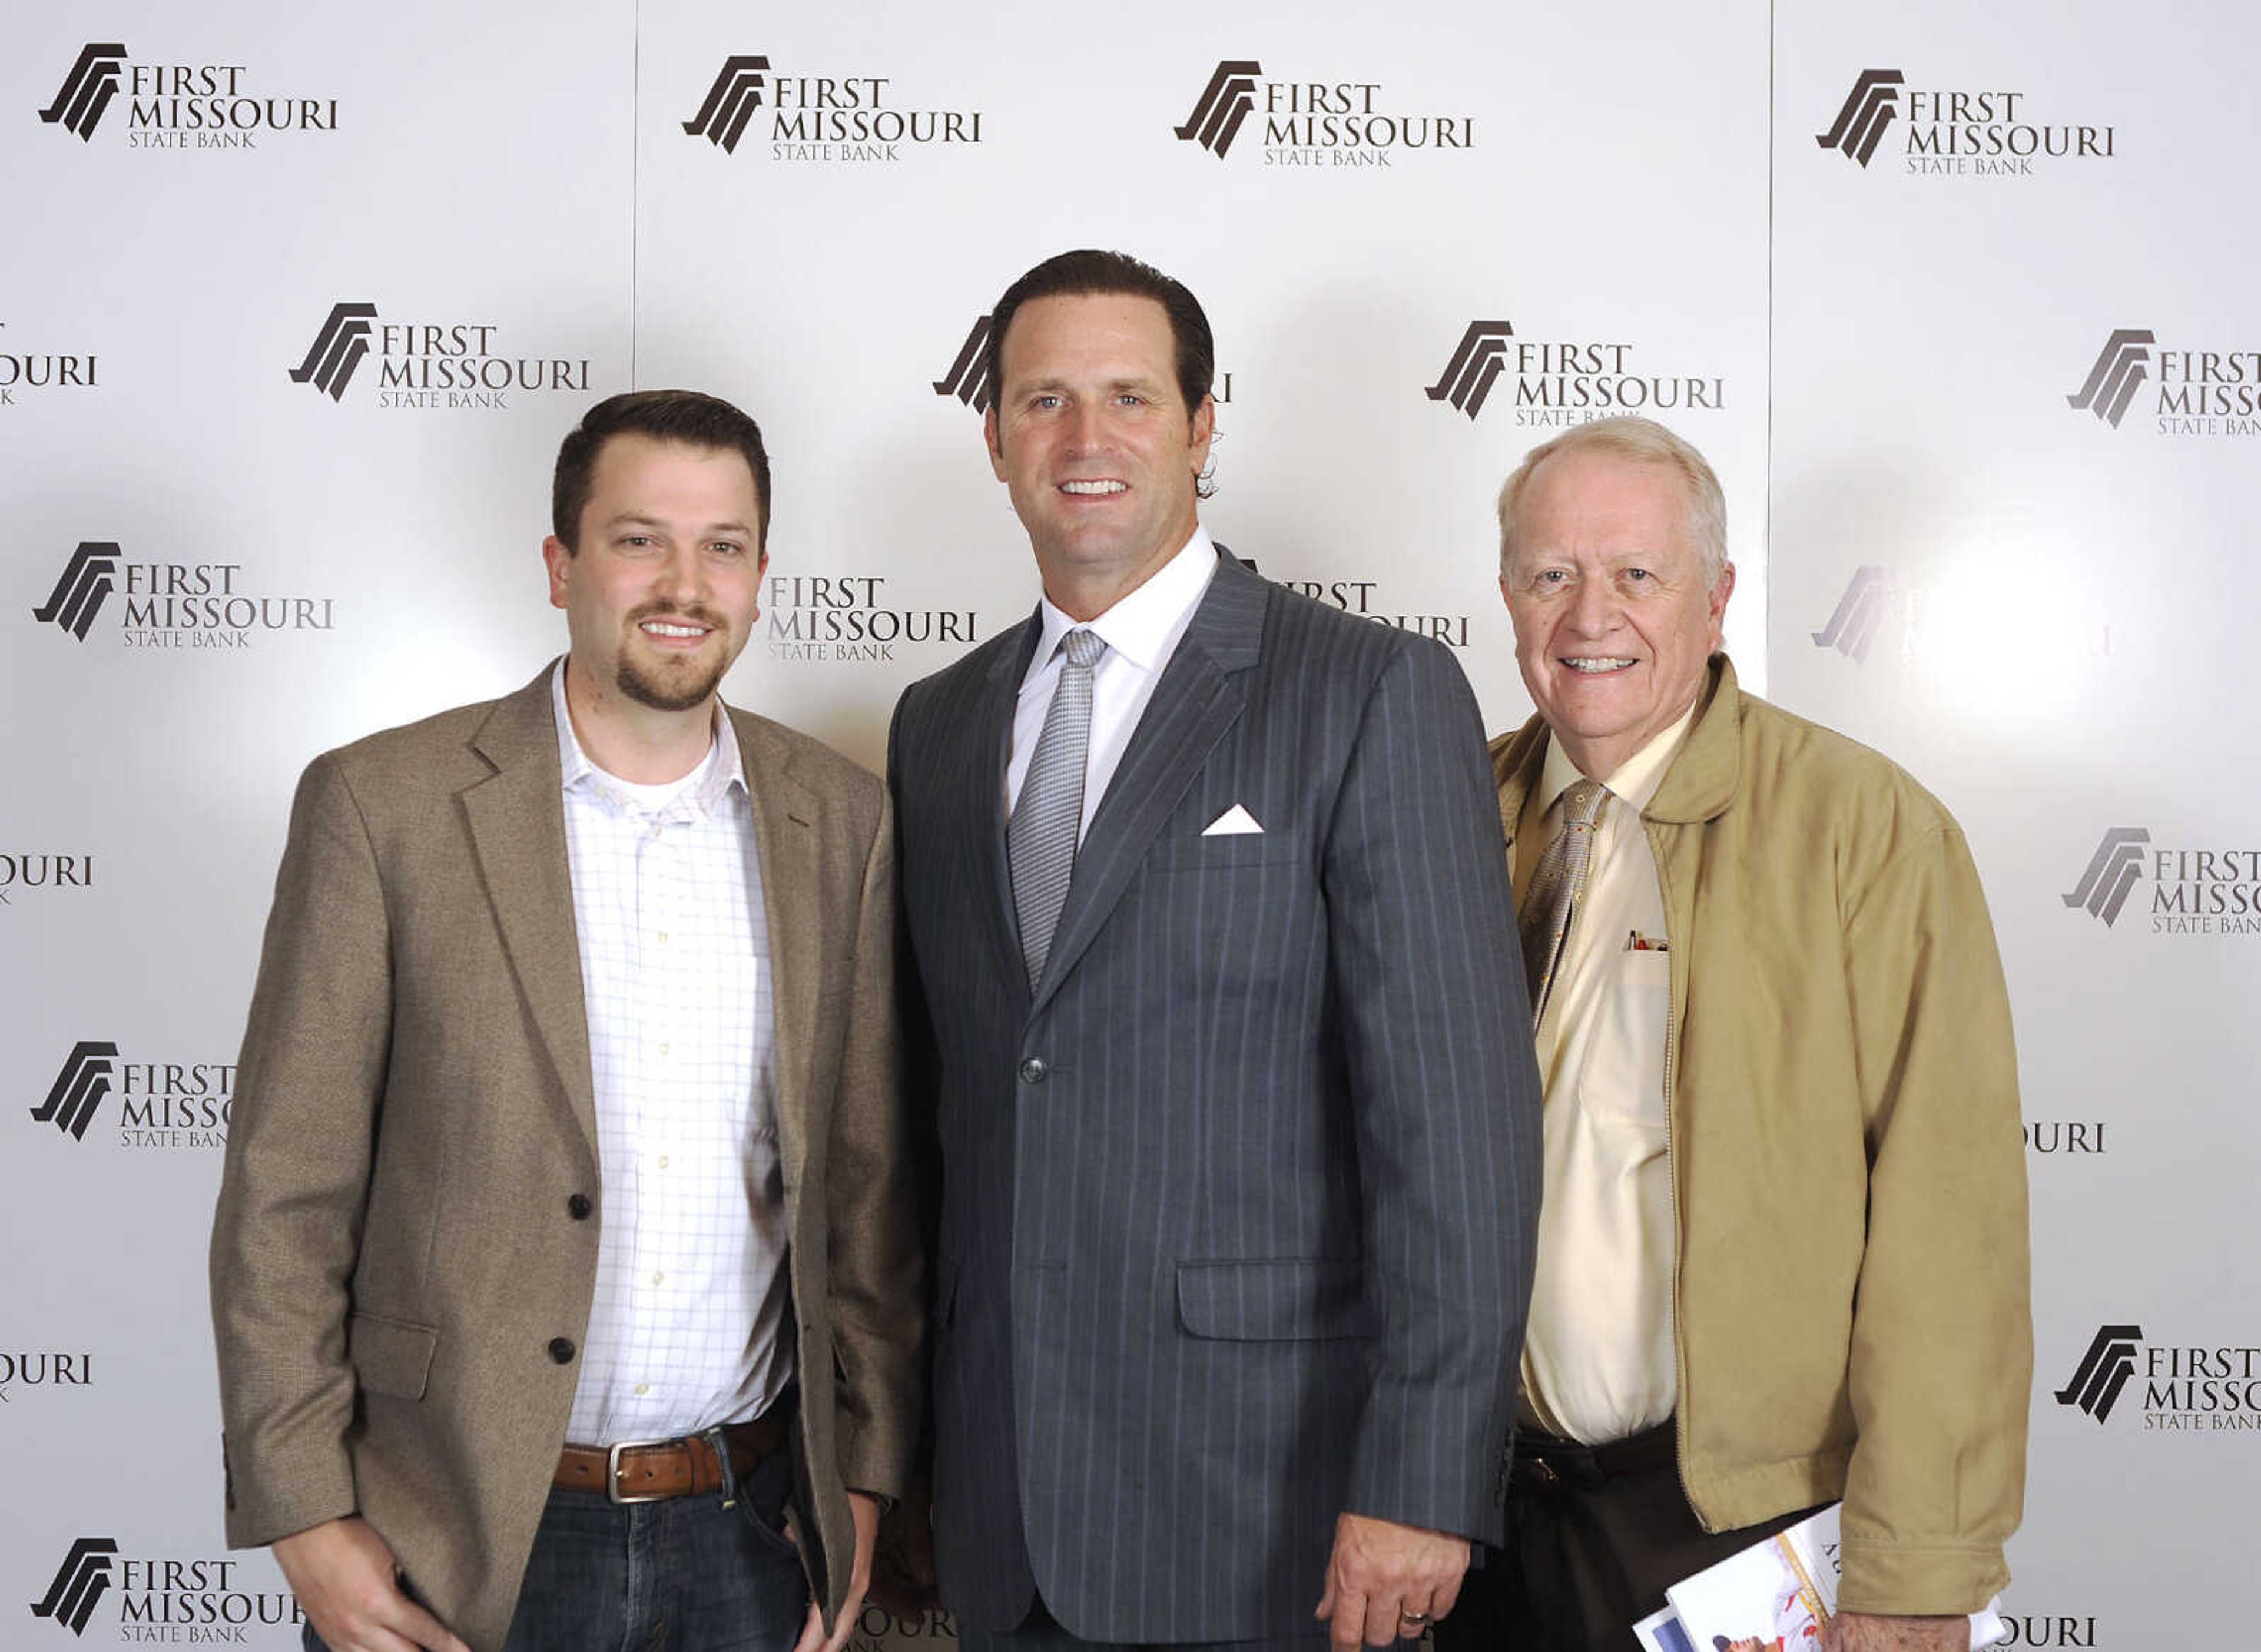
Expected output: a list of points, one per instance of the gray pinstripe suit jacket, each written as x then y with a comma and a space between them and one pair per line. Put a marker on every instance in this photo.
1237, 1210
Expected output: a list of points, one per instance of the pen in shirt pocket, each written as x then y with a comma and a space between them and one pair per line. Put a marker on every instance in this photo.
1636, 942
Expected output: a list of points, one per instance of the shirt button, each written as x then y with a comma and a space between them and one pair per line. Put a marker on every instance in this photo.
642, 1389
657, 1278
579, 1207
665, 1048
663, 1161
561, 1349
663, 937
1033, 1071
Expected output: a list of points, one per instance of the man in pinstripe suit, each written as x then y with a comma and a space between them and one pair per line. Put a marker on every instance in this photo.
1236, 1104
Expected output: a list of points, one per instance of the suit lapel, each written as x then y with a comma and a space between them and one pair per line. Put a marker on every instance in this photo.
517, 819
1197, 699
785, 815
992, 725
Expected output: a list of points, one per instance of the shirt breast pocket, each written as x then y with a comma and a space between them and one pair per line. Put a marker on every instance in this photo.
1621, 1078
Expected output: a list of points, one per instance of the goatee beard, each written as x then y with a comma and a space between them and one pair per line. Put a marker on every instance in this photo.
647, 691
666, 691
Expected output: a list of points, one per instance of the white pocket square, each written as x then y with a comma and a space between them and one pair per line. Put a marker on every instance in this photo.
1234, 822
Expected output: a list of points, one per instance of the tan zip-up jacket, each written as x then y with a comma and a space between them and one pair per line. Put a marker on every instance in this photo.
1851, 1291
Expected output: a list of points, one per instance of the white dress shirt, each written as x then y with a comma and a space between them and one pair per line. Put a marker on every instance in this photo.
1141, 632
1597, 1359
687, 1328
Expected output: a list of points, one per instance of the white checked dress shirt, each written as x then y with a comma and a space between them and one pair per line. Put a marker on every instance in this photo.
1141, 632
1597, 1359
687, 1329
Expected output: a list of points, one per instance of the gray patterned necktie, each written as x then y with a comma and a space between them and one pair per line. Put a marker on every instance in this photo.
1551, 902
1040, 839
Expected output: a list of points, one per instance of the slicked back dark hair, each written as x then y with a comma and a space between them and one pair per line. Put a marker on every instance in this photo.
687, 416
1088, 272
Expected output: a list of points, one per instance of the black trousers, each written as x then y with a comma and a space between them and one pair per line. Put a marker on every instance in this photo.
1594, 1535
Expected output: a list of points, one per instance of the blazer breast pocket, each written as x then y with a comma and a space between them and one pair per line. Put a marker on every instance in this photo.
1275, 1301
1226, 852
390, 1357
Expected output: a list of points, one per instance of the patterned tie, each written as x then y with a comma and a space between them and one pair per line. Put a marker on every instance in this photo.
1040, 839
1551, 902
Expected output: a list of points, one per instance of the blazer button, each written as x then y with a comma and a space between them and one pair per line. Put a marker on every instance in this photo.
579, 1207
561, 1349
1033, 1071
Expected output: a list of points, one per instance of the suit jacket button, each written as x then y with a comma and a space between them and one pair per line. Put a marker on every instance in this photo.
561, 1349
1033, 1071
579, 1207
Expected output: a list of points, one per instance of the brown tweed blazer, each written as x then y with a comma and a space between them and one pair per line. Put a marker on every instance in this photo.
396, 1262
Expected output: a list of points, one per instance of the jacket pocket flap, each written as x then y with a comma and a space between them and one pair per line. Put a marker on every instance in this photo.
392, 1357
1275, 1301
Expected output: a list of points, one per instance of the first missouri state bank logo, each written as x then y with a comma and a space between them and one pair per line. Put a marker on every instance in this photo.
2200, 391
1227, 101
1951, 132
79, 1089
821, 117
2121, 366
2210, 890
1309, 122
1861, 612
337, 350
730, 102
969, 377
2189, 1385
84, 585
2112, 873
1869, 108
431, 365
193, 106
161, 1104
86, 91
2104, 1370
169, 1598
80, 1583
1560, 383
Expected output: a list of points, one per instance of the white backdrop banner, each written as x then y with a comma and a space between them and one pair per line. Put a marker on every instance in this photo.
301, 302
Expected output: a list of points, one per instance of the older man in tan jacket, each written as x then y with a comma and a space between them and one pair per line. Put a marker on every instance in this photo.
565, 1223
1781, 1253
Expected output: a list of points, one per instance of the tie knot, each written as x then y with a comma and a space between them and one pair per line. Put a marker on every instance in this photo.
1083, 647
1582, 802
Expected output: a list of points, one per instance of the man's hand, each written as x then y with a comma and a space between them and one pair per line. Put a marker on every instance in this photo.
1869, 1632
903, 1566
866, 1511
1381, 1570
348, 1586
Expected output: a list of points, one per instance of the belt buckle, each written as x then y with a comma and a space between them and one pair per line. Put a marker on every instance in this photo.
613, 1491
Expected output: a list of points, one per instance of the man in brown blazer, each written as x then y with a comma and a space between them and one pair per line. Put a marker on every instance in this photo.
565, 1222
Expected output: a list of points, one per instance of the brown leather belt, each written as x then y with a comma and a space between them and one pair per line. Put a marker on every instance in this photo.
648, 1470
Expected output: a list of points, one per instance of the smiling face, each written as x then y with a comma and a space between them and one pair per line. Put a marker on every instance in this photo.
660, 593
1613, 618
1092, 436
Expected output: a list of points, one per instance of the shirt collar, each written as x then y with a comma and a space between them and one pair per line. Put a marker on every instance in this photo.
1142, 626
720, 772
1634, 780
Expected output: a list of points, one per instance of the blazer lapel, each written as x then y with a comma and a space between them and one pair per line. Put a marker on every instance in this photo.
992, 725
785, 823
1197, 699
517, 820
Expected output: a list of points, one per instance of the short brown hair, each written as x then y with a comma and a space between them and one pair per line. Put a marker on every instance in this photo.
686, 416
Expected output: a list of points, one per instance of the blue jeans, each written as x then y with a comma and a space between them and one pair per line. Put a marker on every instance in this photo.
687, 1575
